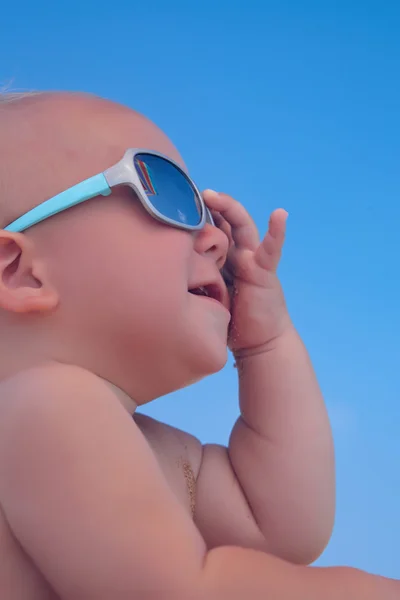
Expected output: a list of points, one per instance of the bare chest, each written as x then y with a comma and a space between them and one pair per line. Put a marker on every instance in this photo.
176, 453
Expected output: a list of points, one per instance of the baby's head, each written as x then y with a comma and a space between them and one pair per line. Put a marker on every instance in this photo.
105, 285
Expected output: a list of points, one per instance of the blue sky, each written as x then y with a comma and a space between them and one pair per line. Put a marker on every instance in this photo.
293, 104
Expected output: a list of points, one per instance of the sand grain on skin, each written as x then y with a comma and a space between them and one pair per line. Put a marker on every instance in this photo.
190, 483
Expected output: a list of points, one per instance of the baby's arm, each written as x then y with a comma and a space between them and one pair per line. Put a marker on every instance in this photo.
273, 488
279, 468
232, 573
281, 449
86, 499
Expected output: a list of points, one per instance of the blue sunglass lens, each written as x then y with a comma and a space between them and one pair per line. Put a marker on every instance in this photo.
168, 189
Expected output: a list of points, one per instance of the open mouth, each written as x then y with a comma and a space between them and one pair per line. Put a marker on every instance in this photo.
209, 291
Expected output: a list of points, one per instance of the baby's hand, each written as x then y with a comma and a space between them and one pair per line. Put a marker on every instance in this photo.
259, 313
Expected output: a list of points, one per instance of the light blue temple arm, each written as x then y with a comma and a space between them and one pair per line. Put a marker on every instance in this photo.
94, 186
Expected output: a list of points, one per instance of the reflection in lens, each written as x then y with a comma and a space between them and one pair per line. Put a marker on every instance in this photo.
167, 189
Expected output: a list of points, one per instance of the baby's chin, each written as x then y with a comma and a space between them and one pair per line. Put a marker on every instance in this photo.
196, 378
207, 357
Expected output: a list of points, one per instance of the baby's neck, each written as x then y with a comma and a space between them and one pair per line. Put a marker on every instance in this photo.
15, 359
125, 400
17, 355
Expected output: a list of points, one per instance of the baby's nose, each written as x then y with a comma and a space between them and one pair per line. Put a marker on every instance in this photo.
213, 242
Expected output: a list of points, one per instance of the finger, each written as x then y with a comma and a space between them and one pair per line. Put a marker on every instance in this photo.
244, 231
269, 251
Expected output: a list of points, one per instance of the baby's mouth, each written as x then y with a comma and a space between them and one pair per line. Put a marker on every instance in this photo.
200, 291
215, 291
210, 291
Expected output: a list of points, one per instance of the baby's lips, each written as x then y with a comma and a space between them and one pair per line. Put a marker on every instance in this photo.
216, 289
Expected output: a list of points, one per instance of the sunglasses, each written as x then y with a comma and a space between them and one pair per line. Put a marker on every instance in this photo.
165, 191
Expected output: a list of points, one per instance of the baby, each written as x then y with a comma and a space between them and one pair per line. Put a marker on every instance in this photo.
119, 283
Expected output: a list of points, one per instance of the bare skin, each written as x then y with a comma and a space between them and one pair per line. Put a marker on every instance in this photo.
177, 454
95, 503
117, 501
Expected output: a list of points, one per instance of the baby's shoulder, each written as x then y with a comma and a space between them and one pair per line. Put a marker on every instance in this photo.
44, 386
35, 401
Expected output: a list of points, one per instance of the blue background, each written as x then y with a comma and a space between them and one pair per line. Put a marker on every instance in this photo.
293, 104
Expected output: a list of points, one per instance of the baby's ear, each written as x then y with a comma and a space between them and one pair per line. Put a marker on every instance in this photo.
24, 285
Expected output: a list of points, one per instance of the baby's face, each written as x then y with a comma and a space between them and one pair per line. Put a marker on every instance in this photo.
126, 310
124, 282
